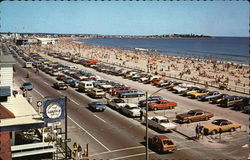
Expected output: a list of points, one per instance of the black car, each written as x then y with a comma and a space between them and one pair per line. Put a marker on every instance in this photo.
60, 85
230, 101
240, 105
216, 100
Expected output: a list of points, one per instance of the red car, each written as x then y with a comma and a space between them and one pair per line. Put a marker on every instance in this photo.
89, 62
60, 77
158, 81
117, 90
162, 104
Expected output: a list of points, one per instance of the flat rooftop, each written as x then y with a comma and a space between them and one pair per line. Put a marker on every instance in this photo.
25, 115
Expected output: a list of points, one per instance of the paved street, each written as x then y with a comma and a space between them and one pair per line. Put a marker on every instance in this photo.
111, 135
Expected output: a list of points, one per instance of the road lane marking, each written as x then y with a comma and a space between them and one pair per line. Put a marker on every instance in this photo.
88, 133
74, 101
100, 118
133, 155
46, 83
117, 150
39, 93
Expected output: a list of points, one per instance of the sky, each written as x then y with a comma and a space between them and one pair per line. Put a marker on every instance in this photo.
214, 18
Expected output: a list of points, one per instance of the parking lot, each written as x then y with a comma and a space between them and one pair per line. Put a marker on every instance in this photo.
184, 104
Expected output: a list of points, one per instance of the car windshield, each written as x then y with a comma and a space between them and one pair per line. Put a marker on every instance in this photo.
191, 112
27, 83
119, 101
164, 121
168, 142
216, 122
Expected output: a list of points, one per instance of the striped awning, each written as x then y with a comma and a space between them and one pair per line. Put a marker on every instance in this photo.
4, 91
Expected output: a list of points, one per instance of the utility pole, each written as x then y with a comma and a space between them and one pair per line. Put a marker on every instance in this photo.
147, 158
66, 129
146, 125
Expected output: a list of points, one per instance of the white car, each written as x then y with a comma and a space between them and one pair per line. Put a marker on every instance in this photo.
131, 109
161, 123
182, 87
116, 103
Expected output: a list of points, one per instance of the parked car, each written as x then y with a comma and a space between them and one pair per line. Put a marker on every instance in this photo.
198, 93
240, 105
68, 80
158, 81
161, 143
190, 90
230, 101
194, 115
130, 94
162, 104
210, 95
161, 123
96, 93
74, 83
132, 110
27, 86
171, 86
165, 83
246, 109
85, 86
97, 106
182, 87
142, 103
60, 85
216, 100
220, 125
116, 103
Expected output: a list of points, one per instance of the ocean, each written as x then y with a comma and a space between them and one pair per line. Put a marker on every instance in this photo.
235, 49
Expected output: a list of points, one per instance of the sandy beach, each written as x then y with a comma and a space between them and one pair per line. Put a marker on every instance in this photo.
214, 73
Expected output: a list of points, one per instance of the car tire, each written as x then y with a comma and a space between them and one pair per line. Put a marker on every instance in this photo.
189, 121
206, 118
232, 129
214, 132
155, 109
160, 150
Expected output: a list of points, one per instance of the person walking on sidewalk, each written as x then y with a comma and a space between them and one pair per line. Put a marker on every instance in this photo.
79, 150
141, 114
201, 132
197, 131
74, 149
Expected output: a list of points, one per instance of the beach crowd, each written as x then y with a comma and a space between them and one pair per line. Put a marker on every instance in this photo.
204, 71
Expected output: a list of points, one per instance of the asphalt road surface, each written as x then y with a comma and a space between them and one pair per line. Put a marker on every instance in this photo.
111, 135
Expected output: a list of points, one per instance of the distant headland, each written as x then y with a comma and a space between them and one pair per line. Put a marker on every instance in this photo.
154, 36
57, 35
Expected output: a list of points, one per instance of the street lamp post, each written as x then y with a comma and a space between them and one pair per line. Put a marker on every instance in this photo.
147, 120
146, 125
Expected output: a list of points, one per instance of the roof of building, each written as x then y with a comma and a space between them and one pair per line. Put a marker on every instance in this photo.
25, 116
5, 113
47, 39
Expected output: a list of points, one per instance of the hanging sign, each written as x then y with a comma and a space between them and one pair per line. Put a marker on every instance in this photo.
53, 110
